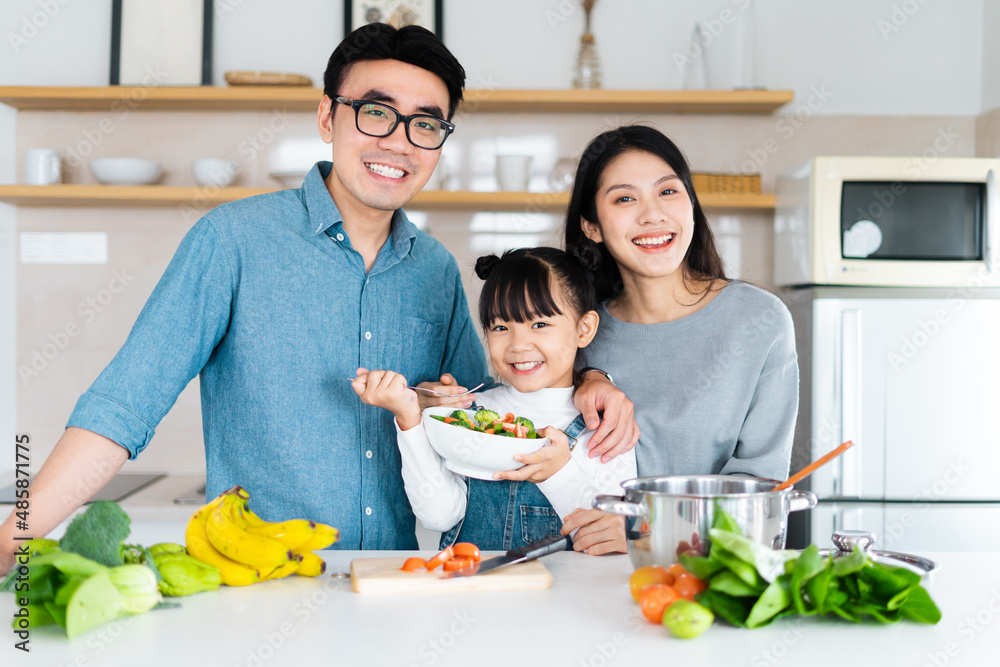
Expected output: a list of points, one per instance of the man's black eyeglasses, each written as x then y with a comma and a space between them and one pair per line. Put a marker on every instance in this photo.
380, 120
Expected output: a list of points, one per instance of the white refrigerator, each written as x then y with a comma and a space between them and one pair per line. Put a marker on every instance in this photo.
912, 376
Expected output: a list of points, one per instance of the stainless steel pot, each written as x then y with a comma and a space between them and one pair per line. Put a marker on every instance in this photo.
672, 514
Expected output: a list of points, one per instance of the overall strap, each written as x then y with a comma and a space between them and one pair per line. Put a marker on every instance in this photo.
575, 428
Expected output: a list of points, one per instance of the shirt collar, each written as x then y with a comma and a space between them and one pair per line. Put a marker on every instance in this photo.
324, 216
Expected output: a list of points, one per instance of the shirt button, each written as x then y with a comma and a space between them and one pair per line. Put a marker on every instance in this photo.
368, 454
368, 511
368, 335
340, 237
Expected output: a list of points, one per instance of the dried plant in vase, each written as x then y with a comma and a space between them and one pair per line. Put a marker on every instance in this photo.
588, 67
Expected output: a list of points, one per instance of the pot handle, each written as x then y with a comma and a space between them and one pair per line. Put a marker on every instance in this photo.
618, 505
801, 500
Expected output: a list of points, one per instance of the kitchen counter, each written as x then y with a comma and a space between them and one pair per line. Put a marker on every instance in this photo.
587, 619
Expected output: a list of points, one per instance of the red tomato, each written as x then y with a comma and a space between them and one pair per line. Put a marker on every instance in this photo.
676, 570
520, 431
655, 600
688, 585
466, 550
457, 564
508, 426
443, 556
412, 564
645, 577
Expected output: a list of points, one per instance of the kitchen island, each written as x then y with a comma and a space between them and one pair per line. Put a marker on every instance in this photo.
587, 619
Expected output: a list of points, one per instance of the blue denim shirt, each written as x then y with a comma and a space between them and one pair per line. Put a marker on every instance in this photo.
269, 302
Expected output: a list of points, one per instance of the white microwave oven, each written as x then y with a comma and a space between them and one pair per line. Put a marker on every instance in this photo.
889, 221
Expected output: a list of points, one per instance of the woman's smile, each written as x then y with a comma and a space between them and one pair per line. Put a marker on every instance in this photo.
647, 242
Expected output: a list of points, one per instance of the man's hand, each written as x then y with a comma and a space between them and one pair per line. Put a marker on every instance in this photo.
615, 433
448, 385
545, 462
387, 389
599, 532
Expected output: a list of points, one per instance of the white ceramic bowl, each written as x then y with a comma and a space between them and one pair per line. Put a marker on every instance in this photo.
216, 172
126, 170
472, 453
290, 179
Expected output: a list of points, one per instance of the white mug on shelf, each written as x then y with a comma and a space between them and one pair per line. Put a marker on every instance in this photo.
513, 172
41, 166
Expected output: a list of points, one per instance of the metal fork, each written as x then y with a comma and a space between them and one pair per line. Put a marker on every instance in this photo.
438, 393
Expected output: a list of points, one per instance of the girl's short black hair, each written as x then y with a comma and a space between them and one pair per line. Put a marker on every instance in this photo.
518, 285
702, 260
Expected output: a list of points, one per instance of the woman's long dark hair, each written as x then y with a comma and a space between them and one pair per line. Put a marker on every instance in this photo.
702, 261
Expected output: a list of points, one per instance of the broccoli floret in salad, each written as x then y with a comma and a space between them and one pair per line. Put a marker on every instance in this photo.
523, 421
485, 416
460, 415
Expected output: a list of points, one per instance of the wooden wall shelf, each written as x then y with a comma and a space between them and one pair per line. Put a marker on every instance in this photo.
250, 98
97, 196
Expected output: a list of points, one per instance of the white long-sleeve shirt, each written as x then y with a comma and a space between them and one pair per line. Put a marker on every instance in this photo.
438, 496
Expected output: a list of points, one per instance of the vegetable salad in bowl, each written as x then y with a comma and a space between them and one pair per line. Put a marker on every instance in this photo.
479, 443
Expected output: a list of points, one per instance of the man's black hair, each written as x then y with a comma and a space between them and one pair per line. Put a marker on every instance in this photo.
411, 44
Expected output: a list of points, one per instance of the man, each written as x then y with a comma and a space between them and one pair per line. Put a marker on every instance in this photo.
276, 300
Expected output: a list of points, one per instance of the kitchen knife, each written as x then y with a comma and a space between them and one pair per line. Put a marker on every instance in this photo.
543, 547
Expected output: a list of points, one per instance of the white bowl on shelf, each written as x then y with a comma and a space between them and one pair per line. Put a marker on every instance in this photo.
290, 179
126, 170
215, 172
472, 453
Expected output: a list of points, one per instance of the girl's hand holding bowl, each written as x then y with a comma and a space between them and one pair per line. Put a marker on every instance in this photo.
543, 463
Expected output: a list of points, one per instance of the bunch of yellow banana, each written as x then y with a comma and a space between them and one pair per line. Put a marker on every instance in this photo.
246, 549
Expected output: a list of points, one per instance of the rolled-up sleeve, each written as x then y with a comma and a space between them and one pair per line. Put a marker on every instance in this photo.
182, 322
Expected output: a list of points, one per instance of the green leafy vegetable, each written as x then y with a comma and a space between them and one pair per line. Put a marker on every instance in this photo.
99, 533
852, 587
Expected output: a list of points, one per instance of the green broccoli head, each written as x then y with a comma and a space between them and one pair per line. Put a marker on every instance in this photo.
99, 533
486, 416
525, 422
460, 415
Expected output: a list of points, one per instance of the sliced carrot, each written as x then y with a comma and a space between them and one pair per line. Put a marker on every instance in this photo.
457, 564
442, 557
488, 430
412, 564
450, 420
467, 550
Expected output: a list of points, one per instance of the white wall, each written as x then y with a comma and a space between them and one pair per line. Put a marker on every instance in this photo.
991, 55
8, 300
875, 57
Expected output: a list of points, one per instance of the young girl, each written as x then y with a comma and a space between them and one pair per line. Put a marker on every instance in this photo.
720, 353
537, 308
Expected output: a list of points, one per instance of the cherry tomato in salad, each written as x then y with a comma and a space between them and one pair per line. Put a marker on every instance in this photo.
466, 550
644, 577
413, 564
676, 570
443, 556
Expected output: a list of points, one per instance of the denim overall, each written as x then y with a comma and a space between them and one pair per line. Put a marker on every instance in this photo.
502, 514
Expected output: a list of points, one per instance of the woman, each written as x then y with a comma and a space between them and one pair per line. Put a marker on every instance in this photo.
709, 362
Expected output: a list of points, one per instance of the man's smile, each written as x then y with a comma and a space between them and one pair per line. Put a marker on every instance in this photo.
385, 170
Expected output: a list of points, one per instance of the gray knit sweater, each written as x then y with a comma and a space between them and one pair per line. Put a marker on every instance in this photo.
714, 392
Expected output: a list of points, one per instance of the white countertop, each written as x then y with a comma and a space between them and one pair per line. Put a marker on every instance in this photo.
587, 619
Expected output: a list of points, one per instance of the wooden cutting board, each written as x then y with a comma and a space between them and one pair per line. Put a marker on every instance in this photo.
382, 575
